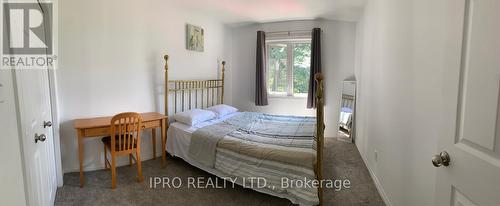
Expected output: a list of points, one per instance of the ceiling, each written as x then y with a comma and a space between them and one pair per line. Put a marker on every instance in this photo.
238, 12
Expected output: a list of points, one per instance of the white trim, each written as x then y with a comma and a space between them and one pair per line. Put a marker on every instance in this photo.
293, 40
54, 102
380, 189
283, 95
55, 126
289, 35
289, 68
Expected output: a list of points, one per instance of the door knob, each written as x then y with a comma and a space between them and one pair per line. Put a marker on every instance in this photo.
41, 138
47, 124
442, 158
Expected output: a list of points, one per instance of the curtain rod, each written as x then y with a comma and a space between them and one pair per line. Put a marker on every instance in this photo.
292, 31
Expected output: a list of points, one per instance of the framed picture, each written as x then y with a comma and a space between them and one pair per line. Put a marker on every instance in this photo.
195, 39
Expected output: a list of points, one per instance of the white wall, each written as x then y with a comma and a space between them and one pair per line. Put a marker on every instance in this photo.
400, 95
338, 39
111, 61
11, 175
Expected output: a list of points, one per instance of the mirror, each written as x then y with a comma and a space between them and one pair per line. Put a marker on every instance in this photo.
347, 110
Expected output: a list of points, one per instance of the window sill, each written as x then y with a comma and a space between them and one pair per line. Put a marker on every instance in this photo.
280, 96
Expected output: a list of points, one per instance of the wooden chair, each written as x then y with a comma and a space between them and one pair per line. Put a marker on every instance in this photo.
127, 141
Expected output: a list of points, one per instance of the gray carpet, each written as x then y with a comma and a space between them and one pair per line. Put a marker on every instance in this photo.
342, 161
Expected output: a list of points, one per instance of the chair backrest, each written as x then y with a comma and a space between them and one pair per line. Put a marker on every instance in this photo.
126, 130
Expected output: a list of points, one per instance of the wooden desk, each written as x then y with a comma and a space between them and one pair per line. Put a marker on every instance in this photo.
100, 126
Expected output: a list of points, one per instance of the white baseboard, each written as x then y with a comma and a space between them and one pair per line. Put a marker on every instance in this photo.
377, 183
120, 162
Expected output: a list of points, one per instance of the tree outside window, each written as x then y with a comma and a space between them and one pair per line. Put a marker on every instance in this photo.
288, 68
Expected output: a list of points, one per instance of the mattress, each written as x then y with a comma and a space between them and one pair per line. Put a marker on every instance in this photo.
179, 139
178, 143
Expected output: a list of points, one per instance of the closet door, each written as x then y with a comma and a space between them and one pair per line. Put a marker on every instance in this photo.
37, 137
29, 43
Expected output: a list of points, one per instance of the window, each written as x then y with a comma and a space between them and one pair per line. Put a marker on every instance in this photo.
288, 67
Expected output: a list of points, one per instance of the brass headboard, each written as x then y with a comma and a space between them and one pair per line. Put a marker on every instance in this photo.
211, 92
191, 94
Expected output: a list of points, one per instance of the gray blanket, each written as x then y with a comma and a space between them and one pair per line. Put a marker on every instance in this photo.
268, 146
204, 140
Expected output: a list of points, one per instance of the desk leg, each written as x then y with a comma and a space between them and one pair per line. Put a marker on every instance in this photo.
153, 137
80, 156
163, 142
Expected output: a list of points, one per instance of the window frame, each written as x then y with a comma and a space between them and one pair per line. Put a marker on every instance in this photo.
290, 43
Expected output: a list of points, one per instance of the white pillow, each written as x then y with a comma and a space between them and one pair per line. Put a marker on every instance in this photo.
222, 110
194, 116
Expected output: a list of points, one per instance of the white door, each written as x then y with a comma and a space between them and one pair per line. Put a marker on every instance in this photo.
471, 134
34, 107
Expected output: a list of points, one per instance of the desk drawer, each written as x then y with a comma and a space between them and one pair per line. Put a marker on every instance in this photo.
152, 124
100, 131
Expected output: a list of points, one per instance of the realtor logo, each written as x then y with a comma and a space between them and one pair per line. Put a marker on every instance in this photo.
27, 29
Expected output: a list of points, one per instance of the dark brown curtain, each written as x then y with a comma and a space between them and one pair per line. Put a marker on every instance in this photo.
260, 71
315, 66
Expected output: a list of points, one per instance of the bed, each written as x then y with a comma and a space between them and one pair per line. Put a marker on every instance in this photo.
345, 118
346, 112
244, 145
